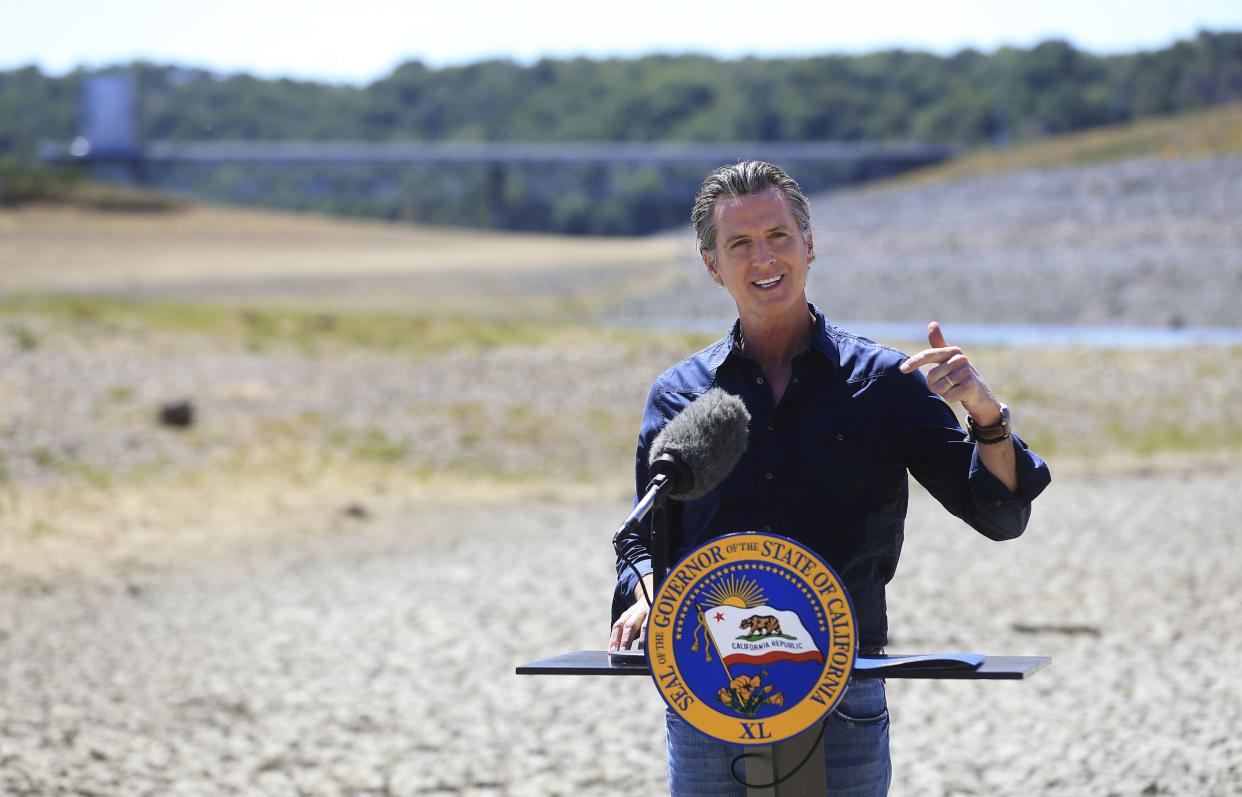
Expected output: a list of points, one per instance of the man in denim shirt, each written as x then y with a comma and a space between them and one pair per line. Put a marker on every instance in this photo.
836, 423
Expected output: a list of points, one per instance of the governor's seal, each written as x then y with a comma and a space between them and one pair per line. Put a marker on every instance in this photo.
751, 638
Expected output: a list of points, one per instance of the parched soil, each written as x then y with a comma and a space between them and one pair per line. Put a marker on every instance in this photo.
373, 652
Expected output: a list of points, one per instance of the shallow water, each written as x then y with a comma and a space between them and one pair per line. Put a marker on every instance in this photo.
1016, 335
1040, 335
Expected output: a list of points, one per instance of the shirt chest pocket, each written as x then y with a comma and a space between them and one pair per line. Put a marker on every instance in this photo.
839, 456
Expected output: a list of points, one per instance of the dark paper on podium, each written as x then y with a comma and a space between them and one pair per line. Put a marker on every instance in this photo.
631, 658
882, 666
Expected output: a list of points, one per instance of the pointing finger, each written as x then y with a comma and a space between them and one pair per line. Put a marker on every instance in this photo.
929, 356
938, 353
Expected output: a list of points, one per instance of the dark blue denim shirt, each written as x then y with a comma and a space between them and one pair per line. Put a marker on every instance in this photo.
827, 465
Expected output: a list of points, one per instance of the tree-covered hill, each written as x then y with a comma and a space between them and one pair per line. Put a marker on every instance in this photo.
967, 98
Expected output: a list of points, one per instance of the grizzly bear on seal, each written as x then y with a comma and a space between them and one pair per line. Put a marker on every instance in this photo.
767, 625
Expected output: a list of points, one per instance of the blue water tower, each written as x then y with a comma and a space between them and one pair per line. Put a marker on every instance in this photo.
108, 134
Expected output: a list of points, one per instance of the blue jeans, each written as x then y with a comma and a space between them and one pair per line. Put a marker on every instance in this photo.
855, 750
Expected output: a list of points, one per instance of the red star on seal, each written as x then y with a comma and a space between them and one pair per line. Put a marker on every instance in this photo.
719, 617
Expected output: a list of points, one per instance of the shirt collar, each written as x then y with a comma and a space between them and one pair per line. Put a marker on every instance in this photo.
823, 340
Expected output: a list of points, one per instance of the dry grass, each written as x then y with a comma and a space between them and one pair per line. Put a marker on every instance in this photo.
129, 309
92, 320
1211, 133
265, 493
284, 389
237, 253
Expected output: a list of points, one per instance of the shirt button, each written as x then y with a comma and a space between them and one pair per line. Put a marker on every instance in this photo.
795, 380
771, 427
758, 380
769, 475
840, 436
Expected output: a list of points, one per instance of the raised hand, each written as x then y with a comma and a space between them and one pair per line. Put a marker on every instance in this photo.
954, 378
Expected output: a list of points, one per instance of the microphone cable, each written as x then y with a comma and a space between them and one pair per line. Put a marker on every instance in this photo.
630, 564
781, 778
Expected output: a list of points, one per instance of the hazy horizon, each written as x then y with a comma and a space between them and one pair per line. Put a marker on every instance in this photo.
328, 43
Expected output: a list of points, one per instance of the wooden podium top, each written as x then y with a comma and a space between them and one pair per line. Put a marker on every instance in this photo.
952, 666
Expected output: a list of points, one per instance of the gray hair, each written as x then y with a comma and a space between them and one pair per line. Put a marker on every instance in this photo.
743, 179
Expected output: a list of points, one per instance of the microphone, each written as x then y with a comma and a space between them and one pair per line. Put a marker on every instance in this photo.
700, 447
693, 453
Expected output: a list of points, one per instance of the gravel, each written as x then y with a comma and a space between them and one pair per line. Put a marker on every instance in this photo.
1147, 242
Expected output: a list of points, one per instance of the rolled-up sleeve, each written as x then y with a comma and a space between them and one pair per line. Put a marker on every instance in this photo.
1006, 513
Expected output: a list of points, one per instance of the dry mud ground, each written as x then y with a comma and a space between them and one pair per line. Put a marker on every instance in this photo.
346, 655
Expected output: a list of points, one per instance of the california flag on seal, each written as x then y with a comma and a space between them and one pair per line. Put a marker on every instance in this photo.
758, 635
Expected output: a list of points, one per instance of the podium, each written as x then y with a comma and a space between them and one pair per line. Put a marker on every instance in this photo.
767, 764
755, 563
942, 666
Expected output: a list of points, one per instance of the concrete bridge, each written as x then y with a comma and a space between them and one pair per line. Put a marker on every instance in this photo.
899, 156
109, 146
109, 135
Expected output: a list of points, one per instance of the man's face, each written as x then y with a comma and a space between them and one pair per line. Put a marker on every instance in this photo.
761, 256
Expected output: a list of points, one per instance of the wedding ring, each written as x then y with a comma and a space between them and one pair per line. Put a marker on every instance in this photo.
952, 384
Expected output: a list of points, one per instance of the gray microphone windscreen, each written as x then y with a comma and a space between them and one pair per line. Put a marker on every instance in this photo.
709, 436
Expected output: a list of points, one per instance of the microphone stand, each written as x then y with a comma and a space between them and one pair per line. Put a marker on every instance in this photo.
669, 475
660, 546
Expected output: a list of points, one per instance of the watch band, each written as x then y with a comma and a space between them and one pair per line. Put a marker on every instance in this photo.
989, 435
989, 440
